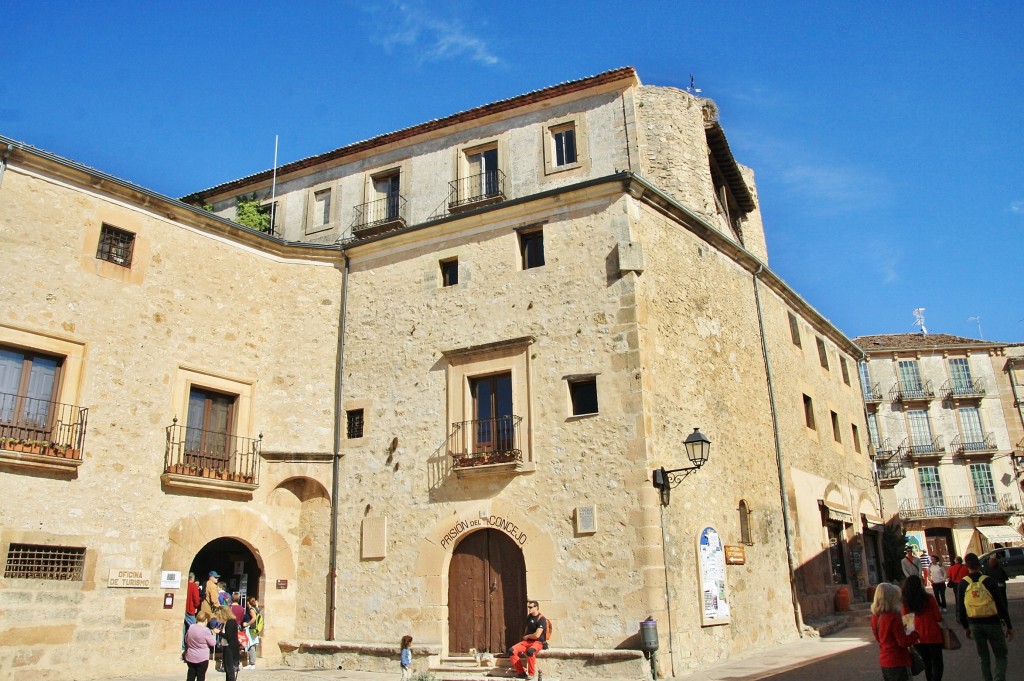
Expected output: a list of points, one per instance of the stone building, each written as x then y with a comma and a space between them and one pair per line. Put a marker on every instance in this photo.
936, 419
442, 382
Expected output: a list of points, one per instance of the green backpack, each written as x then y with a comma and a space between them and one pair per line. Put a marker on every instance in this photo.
978, 600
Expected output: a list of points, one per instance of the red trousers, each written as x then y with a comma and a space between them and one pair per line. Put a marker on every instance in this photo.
529, 648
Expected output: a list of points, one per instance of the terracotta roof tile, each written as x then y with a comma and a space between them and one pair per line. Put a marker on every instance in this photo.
915, 341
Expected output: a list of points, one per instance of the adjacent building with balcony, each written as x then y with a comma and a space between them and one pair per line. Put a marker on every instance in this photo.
941, 442
440, 384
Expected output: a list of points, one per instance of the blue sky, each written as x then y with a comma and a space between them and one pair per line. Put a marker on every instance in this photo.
886, 138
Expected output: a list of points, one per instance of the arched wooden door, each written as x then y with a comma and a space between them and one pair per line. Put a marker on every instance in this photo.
486, 594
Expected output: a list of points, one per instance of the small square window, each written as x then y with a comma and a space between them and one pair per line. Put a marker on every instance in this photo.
564, 140
583, 393
450, 272
531, 247
809, 412
354, 425
794, 330
822, 355
846, 370
116, 246
835, 428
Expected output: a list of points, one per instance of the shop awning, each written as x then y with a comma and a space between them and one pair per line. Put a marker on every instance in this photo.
1003, 534
872, 522
836, 512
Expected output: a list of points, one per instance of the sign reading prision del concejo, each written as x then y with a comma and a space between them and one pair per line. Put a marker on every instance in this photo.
493, 521
128, 578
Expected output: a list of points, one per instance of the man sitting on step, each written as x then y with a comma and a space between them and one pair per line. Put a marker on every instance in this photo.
533, 641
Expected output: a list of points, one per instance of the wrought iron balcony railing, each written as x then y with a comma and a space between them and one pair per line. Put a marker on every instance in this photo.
212, 454
382, 215
912, 392
35, 426
973, 388
960, 506
482, 442
910, 448
985, 444
872, 393
890, 471
475, 190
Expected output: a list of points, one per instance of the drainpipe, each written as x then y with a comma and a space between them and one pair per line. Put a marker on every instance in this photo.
3, 162
786, 523
332, 576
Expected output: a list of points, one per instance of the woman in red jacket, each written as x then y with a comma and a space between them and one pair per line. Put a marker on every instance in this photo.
893, 641
928, 624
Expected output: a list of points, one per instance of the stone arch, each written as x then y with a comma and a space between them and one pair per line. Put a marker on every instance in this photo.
434, 555
270, 549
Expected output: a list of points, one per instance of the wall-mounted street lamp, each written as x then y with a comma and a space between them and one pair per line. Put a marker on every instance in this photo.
698, 446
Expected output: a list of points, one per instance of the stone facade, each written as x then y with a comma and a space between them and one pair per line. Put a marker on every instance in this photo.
467, 394
937, 419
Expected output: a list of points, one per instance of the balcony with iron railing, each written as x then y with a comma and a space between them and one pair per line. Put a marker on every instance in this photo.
486, 446
36, 432
960, 506
208, 458
381, 215
912, 392
476, 191
889, 466
911, 449
873, 394
975, 444
963, 389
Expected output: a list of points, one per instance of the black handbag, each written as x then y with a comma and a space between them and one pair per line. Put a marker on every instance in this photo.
916, 662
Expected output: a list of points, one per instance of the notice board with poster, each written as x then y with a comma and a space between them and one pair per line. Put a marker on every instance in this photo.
714, 592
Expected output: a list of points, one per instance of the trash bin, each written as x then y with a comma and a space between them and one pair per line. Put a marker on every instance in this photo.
649, 635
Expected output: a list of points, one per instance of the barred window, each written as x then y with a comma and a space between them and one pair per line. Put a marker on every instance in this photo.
354, 430
116, 246
29, 561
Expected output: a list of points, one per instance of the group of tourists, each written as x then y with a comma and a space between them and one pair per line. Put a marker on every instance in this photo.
217, 626
910, 629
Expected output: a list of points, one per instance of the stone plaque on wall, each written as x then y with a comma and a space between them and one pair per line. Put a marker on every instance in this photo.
375, 538
586, 520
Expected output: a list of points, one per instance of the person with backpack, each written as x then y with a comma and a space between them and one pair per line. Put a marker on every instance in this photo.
254, 629
534, 640
982, 613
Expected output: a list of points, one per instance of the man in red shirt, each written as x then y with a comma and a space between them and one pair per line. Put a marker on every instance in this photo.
192, 601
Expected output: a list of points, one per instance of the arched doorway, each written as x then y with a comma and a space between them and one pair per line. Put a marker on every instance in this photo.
235, 563
486, 594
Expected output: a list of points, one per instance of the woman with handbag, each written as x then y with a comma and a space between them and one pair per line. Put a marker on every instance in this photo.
928, 624
893, 640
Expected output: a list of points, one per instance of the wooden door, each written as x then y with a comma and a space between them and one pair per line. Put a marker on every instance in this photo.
486, 594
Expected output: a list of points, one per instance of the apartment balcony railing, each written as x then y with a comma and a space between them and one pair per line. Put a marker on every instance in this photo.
476, 190
911, 449
483, 442
873, 394
961, 506
912, 392
986, 444
889, 468
963, 389
212, 455
382, 215
41, 427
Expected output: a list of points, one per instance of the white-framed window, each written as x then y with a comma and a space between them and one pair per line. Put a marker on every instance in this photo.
873, 433
910, 377
960, 373
565, 146
321, 208
984, 487
920, 430
970, 427
931, 490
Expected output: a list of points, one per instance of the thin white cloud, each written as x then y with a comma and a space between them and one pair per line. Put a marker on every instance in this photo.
822, 186
1017, 207
430, 37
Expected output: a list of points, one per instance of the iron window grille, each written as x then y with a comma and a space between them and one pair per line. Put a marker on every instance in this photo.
31, 561
116, 246
355, 422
